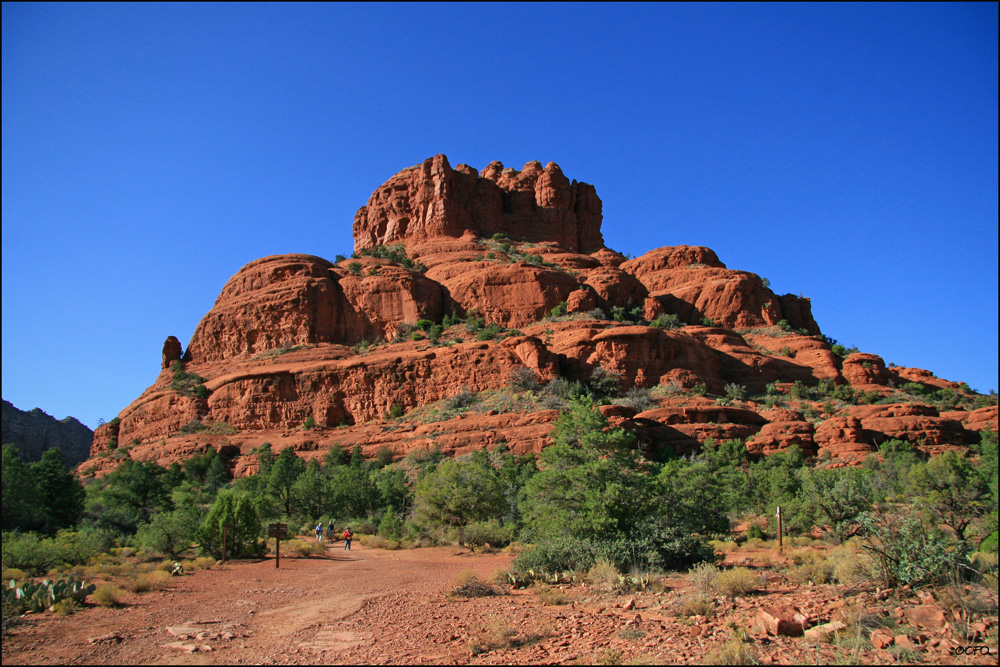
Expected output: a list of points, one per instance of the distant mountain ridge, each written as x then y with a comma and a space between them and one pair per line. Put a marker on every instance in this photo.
35, 431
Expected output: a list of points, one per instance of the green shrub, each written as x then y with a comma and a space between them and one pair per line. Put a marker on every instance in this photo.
905, 551
480, 533
354, 267
667, 321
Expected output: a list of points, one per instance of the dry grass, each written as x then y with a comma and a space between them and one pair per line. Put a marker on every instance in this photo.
66, 607
149, 581
737, 581
551, 596
464, 577
108, 595
13, 573
306, 548
467, 585
695, 605
724, 546
379, 542
494, 633
603, 576
734, 652
702, 577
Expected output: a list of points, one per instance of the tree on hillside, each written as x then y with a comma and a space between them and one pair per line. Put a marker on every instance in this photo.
60, 494
458, 493
19, 507
833, 499
281, 479
952, 489
591, 483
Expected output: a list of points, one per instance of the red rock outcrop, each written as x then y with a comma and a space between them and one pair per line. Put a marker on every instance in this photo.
287, 300
272, 354
692, 283
432, 199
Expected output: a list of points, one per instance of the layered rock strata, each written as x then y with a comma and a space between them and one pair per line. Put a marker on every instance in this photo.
297, 340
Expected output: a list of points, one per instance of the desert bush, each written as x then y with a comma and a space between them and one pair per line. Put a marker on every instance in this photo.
10, 573
66, 607
695, 604
306, 548
667, 321
468, 585
906, 551
737, 581
480, 533
702, 576
736, 651
548, 595
108, 595
723, 546
638, 398
202, 563
150, 581
819, 571
523, 378
603, 575
849, 566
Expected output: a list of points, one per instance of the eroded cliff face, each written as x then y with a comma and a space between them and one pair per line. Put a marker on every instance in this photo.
297, 339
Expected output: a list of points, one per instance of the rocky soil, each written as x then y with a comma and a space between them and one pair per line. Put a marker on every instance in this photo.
372, 606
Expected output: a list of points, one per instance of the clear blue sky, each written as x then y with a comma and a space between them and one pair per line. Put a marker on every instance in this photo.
845, 152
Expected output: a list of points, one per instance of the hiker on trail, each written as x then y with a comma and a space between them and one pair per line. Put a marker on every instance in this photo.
319, 531
348, 536
329, 531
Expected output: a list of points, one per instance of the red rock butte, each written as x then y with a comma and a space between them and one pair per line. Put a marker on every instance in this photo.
296, 340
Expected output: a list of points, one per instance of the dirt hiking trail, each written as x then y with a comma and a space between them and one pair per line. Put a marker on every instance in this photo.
372, 606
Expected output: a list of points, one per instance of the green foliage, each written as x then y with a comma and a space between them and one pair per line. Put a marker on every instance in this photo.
523, 378
236, 512
281, 479
559, 310
667, 321
354, 268
394, 253
628, 314
833, 499
603, 383
490, 532
189, 384
169, 533
395, 411
309, 423
36, 554
907, 551
352, 493
458, 493
128, 497
591, 485
954, 490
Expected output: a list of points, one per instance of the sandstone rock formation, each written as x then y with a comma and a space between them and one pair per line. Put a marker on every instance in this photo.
297, 340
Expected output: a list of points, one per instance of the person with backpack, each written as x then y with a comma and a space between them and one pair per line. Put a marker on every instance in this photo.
329, 532
348, 536
319, 531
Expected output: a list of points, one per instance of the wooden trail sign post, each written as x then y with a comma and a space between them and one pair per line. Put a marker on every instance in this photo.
278, 531
780, 545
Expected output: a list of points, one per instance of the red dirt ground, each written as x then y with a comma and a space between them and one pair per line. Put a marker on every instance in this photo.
372, 606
